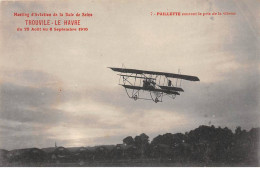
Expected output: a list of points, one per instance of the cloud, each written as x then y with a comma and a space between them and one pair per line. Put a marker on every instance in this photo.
84, 117
57, 87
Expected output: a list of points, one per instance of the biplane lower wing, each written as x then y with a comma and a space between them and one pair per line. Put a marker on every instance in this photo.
150, 89
140, 77
171, 75
171, 88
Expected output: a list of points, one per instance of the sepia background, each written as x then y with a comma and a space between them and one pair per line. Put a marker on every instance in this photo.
56, 87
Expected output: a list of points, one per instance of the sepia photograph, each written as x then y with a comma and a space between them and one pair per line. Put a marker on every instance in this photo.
128, 83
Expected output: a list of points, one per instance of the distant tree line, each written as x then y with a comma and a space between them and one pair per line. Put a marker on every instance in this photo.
205, 145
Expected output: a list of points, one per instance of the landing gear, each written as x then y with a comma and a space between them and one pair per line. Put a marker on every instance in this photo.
156, 96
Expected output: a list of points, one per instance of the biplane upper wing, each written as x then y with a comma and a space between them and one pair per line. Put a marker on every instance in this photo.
180, 76
171, 75
151, 89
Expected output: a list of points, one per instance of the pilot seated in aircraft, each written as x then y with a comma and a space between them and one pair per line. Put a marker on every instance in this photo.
148, 84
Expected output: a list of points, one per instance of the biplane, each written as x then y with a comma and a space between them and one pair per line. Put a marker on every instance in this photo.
151, 85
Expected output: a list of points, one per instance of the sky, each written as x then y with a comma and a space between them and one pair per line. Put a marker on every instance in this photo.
56, 87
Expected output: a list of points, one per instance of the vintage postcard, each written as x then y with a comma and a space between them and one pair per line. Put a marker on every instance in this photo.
128, 83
